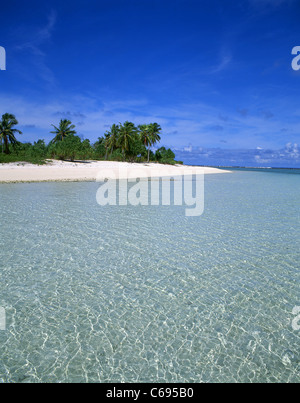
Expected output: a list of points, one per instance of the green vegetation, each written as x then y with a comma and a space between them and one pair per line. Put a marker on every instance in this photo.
7, 132
123, 142
64, 130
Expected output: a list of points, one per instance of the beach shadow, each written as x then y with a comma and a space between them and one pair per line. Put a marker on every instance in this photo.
78, 161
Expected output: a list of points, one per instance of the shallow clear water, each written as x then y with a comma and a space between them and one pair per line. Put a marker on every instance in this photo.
146, 294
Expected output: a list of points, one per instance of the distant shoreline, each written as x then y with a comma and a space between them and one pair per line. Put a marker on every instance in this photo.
245, 167
88, 171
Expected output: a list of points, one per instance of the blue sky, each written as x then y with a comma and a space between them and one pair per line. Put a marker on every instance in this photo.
215, 74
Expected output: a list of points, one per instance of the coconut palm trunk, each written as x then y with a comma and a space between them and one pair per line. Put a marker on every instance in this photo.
126, 133
145, 137
6, 146
7, 132
154, 130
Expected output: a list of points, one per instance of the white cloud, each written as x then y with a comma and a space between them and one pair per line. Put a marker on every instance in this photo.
41, 36
188, 149
286, 157
226, 60
292, 151
35, 46
183, 124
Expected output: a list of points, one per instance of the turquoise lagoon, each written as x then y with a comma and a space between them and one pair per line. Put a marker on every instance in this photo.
146, 294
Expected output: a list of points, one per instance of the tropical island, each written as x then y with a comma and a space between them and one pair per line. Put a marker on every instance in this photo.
123, 142
68, 157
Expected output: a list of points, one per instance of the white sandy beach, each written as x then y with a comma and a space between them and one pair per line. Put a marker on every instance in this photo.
92, 170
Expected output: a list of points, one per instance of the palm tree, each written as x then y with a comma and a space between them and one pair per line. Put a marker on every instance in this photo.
107, 134
112, 138
154, 129
145, 137
65, 129
7, 133
126, 133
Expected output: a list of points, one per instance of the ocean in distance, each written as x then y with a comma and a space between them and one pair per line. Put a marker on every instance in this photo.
146, 294
294, 171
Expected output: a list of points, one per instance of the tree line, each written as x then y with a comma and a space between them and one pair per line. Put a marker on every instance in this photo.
122, 142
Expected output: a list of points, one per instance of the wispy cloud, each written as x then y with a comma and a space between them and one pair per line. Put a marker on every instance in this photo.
41, 36
34, 46
196, 124
289, 156
224, 63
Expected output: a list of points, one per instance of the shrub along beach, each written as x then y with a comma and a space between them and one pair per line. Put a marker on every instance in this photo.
123, 142
68, 157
